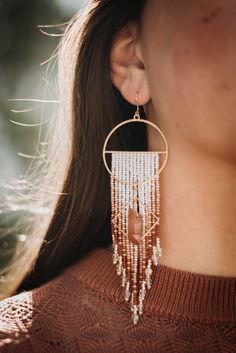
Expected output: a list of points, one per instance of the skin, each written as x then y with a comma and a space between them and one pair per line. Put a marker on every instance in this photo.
181, 60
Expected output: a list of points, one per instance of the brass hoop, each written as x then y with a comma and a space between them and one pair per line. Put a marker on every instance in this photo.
135, 120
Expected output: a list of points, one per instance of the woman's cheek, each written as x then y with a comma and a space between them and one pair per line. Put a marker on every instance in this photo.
192, 73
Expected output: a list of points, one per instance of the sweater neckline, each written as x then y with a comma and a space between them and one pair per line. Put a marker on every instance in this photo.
174, 293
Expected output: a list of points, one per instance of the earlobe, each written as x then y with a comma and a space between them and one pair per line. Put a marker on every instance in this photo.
128, 72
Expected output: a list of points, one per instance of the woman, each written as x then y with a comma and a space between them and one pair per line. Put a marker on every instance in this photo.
179, 56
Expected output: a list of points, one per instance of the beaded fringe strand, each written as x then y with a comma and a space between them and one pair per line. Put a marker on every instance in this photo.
134, 251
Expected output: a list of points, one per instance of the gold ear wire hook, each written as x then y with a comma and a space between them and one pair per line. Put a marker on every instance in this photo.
137, 114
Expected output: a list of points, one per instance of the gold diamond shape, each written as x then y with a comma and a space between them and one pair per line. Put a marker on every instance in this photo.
126, 206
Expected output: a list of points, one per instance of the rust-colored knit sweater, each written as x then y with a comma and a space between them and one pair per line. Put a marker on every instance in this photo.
83, 310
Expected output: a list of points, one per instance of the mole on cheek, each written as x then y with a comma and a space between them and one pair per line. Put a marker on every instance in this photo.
208, 18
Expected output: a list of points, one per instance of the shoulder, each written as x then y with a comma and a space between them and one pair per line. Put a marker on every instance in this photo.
15, 319
35, 318
51, 316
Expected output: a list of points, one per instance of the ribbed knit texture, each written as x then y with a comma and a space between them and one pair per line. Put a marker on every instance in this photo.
83, 311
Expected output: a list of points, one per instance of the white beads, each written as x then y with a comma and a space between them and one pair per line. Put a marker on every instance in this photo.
159, 249
132, 261
155, 259
142, 294
155, 255
148, 271
149, 283
135, 316
115, 258
127, 291
140, 308
123, 281
119, 266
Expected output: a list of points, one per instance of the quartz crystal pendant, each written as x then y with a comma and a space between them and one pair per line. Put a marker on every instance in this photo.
135, 224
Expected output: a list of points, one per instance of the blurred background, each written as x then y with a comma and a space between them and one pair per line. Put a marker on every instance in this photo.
23, 49
24, 52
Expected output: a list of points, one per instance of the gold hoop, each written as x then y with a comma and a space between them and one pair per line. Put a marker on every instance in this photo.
135, 119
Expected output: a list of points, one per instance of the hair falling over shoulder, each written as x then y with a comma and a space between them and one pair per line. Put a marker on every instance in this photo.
67, 210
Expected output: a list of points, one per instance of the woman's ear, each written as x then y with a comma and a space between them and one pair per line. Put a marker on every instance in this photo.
128, 72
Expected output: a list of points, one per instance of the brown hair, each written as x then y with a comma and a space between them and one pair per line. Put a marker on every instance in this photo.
81, 216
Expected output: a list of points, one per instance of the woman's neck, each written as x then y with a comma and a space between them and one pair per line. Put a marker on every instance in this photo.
198, 213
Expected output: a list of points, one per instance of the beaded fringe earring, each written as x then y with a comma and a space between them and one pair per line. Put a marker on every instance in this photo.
135, 215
